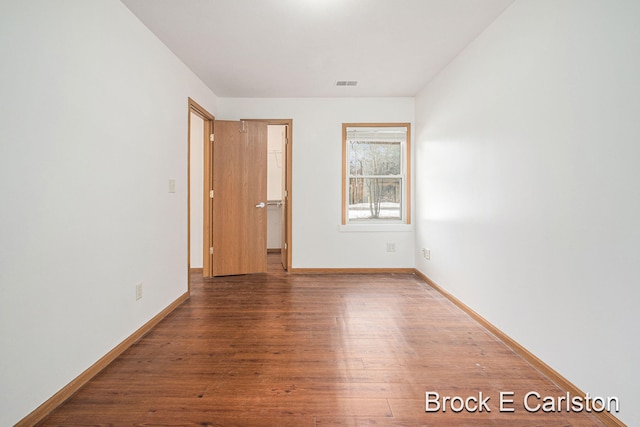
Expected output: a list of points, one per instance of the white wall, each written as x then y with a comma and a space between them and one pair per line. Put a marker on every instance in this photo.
528, 186
274, 227
196, 172
93, 124
317, 178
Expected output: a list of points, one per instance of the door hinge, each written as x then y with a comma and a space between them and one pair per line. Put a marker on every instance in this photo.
285, 245
211, 194
211, 137
286, 193
211, 250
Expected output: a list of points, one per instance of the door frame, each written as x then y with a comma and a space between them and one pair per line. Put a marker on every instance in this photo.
208, 118
288, 162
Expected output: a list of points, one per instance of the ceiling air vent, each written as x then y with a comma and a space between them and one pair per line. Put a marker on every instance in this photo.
346, 83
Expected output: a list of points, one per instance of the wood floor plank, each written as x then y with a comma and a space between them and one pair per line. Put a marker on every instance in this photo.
310, 350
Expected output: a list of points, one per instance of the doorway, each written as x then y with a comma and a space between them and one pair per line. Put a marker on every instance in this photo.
280, 146
196, 186
199, 129
203, 142
240, 208
276, 191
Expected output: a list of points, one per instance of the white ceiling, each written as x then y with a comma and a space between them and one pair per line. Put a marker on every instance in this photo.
300, 48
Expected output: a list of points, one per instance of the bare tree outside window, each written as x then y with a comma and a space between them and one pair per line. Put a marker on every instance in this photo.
374, 169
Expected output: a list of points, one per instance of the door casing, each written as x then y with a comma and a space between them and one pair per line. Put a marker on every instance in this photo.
208, 118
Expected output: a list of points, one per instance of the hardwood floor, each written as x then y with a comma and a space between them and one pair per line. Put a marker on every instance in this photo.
311, 350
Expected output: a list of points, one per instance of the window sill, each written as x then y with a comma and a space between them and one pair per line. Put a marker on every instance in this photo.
376, 227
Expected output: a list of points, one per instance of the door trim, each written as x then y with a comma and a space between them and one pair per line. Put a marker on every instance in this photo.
289, 181
208, 118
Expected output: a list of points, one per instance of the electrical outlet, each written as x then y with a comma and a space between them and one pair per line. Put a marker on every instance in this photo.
138, 291
426, 253
391, 247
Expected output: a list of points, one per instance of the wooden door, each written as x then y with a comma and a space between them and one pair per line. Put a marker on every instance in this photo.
240, 197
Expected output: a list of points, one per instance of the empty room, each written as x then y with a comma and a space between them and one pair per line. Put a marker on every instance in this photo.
319, 212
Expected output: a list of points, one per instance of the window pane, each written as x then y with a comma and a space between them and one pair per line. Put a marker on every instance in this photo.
375, 198
374, 158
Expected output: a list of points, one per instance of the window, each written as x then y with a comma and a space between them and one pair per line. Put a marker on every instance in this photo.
375, 173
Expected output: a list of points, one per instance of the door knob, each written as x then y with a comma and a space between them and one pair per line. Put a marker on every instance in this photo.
260, 205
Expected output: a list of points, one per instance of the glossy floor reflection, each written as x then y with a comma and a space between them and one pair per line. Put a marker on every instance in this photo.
311, 350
